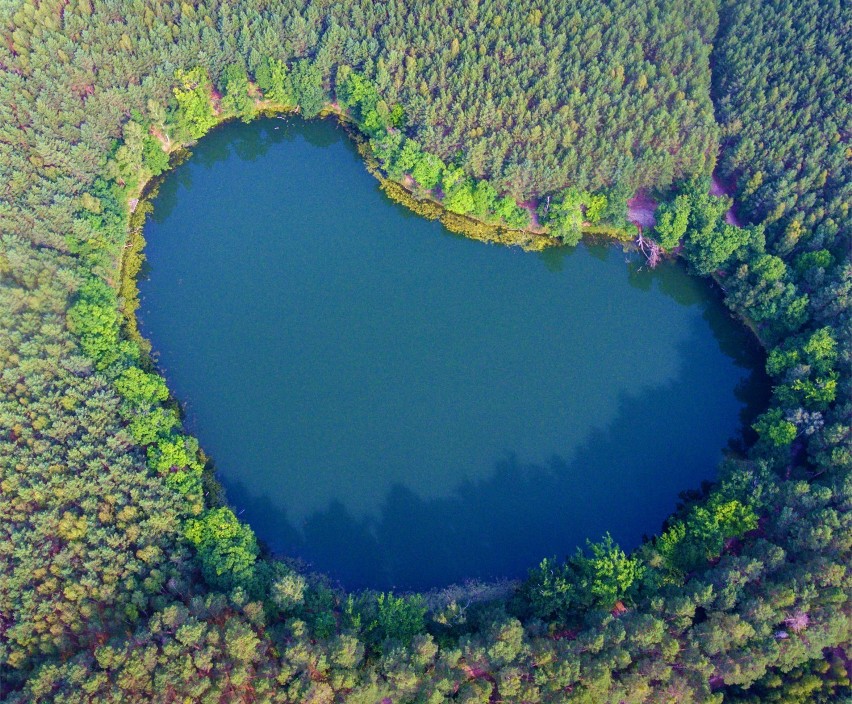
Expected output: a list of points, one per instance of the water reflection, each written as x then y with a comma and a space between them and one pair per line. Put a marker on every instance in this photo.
404, 407
503, 523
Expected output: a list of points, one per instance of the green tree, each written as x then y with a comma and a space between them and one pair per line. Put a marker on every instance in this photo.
672, 221
460, 199
155, 158
308, 88
427, 171
236, 86
273, 79
195, 110
609, 573
141, 389
399, 618
94, 319
226, 548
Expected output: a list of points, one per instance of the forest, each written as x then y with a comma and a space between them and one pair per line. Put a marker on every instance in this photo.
125, 576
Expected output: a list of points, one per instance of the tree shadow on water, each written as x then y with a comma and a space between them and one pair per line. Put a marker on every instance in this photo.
624, 478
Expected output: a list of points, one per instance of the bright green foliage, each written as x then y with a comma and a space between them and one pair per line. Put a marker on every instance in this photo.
507, 210
460, 198
820, 350
273, 79
672, 220
408, 157
226, 548
559, 592
609, 574
772, 427
129, 156
427, 171
141, 389
307, 88
176, 459
595, 206
94, 319
150, 427
688, 545
155, 158
236, 99
399, 618
195, 111
813, 394
451, 176
821, 259
356, 92
565, 215
484, 200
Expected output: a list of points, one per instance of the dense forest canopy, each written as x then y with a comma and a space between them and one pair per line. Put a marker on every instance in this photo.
124, 575
786, 115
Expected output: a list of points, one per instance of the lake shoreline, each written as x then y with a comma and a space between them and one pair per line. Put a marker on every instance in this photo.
263, 136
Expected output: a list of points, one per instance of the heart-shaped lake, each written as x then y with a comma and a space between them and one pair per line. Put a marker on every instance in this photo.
404, 407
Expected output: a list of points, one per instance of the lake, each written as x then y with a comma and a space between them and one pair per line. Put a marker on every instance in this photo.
402, 407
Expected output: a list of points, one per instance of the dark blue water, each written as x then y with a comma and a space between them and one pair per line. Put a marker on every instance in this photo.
400, 406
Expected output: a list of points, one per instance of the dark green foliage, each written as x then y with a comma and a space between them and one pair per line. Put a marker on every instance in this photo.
586, 71
307, 88
820, 681
783, 74
236, 92
273, 79
672, 221
550, 591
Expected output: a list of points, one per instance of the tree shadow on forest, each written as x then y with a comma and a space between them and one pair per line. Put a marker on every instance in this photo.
624, 478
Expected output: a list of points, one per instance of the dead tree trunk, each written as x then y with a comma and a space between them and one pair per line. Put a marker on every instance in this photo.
650, 249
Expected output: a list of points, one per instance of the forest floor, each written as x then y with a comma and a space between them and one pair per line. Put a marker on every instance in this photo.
640, 210
720, 188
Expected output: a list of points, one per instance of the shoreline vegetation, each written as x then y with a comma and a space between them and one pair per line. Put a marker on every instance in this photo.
531, 238
119, 581
132, 260
402, 191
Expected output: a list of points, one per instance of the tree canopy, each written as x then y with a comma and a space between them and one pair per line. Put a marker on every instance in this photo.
125, 577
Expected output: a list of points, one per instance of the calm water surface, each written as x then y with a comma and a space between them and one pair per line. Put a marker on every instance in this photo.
400, 406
